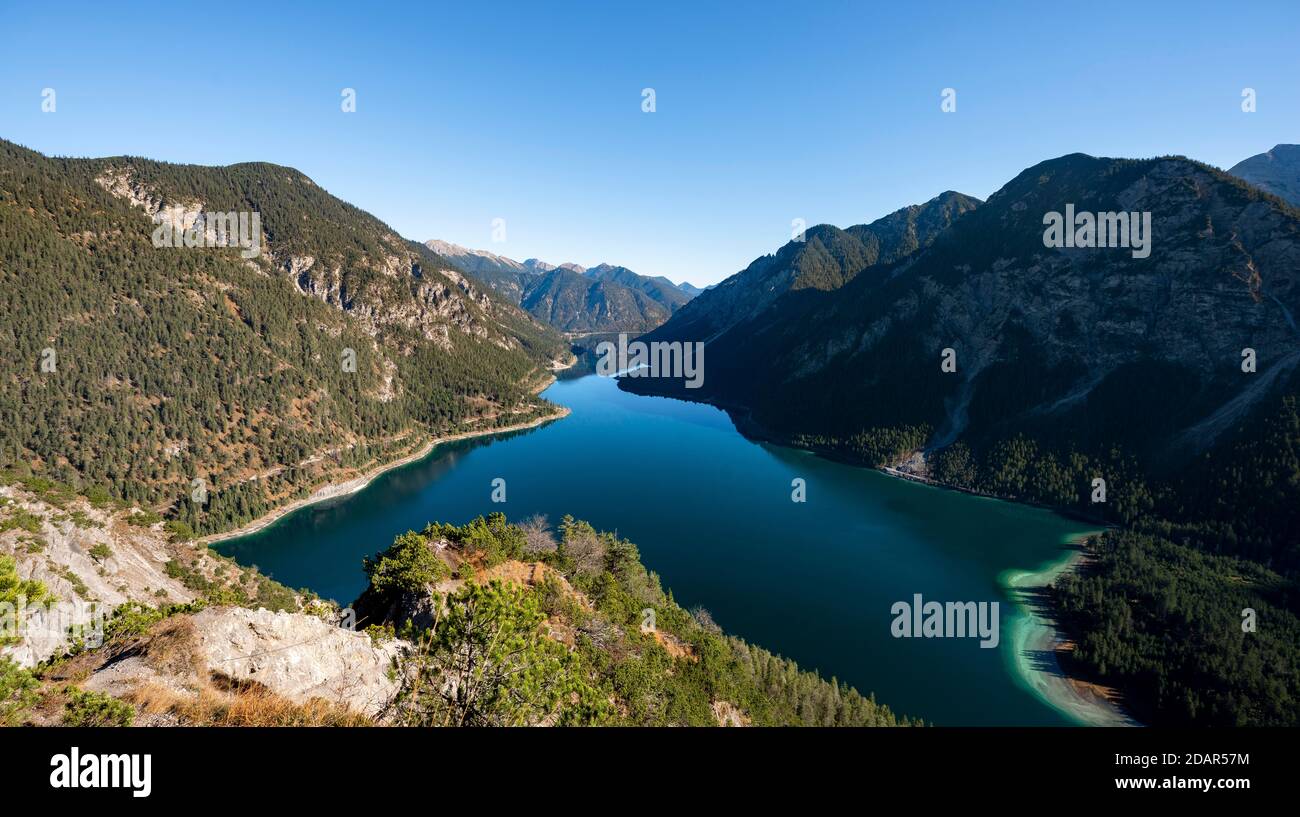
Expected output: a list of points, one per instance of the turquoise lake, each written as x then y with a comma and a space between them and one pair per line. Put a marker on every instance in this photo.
712, 514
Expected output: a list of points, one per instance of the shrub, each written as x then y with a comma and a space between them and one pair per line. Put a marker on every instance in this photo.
180, 531
19, 692
410, 564
143, 519
95, 709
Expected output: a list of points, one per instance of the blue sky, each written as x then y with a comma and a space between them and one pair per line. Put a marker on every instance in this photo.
765, 112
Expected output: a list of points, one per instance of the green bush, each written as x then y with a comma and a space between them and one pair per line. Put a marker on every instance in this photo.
95, 709
410, 564
19, 692
14, 589
489, 537
143, 519
180, 531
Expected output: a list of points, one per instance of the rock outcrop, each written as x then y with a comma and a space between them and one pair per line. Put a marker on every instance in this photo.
90, 560
296, 656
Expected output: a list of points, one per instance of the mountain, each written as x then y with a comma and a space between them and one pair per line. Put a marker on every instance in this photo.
504, 275
1277, 172
658, 288
330, 346
826, 259
574, 302
1090, 348
570, 297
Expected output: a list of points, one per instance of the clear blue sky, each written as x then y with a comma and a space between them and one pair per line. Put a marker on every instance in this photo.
766, 112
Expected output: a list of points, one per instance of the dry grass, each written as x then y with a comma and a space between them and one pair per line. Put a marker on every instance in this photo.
229, 702
172, 648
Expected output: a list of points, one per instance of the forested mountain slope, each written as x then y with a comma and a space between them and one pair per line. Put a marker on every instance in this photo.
658, 288
141, 369
574, 302
824, 260
1093, 346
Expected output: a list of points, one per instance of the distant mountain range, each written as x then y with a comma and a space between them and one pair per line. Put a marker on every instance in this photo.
573, 298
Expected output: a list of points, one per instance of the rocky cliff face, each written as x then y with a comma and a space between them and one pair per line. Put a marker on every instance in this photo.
84, 557
204, 660
299, 656
93, 557
1277, 172
1087, 345
95, 560
331, 251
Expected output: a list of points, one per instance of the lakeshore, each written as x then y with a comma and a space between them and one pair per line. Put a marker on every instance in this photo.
334, 490
1036, 644
1037, 647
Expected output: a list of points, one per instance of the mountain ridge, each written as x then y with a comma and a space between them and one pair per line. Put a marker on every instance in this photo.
1276, 171
570, 297
826, 258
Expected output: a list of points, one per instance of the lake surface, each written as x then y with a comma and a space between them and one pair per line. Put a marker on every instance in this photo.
712, 514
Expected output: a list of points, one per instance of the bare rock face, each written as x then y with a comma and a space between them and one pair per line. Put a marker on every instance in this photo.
296, 656
89, 561
299, 656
